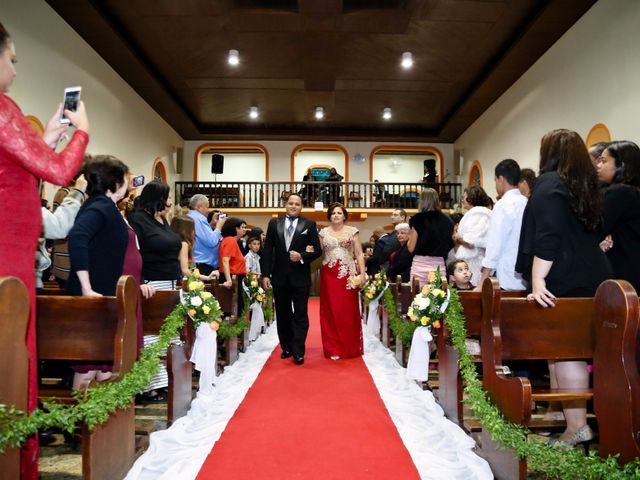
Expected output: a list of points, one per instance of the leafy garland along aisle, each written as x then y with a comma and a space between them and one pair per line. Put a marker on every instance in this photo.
554, 462
104, 399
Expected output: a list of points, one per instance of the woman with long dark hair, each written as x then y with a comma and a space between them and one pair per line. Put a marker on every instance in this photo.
231, 258
559, 252
619, 168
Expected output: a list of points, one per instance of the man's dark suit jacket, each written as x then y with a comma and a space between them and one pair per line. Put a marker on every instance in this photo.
275, 259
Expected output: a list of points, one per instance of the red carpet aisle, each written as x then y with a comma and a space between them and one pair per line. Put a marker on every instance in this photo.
324, 420
321, 420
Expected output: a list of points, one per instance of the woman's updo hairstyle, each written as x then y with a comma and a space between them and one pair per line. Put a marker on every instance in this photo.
104, 173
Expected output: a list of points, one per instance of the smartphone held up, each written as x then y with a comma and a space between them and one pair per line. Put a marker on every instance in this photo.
70, 102
138, 181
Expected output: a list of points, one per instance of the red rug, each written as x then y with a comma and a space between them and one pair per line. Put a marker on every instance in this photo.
323, 420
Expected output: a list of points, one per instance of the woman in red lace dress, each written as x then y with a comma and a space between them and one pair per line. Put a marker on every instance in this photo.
340, 281
24, 158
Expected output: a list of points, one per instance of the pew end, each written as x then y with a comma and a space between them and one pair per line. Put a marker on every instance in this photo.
14, 358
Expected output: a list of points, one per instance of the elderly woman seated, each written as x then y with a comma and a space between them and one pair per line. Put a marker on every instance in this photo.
400, 259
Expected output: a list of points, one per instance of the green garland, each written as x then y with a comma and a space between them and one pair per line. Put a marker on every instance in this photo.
94, 408
402, 330
105, 398
554, 462
230, 330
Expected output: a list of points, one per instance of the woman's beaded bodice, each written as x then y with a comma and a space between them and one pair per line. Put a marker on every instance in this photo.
338, 248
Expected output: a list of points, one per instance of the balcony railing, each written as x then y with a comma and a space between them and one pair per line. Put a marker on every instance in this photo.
351, 194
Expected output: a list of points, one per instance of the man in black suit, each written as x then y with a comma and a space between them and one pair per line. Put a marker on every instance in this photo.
285, 263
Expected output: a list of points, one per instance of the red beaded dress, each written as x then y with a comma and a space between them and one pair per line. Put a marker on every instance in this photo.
340, 321
24, 157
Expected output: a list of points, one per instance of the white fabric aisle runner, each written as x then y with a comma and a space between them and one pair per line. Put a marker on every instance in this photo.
179, 452
440, 449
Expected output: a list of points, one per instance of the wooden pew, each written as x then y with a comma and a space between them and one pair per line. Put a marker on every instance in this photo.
99, 330
14, 359
603, 328
450, 387
228, 300
179, 368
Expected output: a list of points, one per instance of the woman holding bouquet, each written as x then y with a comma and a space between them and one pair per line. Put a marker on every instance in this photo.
340, 282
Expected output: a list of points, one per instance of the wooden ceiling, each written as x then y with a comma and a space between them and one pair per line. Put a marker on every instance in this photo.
343, 55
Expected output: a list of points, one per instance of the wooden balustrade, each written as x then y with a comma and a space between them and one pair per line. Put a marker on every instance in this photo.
352, 194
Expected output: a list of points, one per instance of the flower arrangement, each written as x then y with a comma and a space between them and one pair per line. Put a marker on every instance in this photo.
430, 304
374, 288
201, 304
253, 289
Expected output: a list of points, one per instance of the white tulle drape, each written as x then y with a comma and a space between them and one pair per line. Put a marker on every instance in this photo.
440, 449
179, 452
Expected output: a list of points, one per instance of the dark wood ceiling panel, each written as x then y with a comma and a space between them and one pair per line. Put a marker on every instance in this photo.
341, 54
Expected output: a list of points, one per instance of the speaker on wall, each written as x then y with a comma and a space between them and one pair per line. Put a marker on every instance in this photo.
217, 163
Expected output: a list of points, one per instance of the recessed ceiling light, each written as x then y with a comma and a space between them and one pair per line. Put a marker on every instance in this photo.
386, 113
319, 113
234, 57
253, 112
407, 60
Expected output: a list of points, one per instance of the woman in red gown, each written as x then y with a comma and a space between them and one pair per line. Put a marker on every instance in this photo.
24, 158
340, 282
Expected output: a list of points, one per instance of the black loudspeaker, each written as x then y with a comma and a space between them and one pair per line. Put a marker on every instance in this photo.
217, 163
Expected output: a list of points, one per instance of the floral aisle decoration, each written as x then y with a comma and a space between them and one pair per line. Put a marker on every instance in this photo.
371, 294
426, 311
255, 295
204, 310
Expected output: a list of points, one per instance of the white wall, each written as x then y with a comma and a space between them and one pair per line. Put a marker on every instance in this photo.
591, 75
401, 168
51, 57
238, 167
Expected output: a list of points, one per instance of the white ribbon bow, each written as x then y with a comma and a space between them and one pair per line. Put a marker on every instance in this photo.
205, 353
373, 320
257, 316
418, 365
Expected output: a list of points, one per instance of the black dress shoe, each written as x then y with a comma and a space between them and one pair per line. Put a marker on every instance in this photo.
298, 360
286, 354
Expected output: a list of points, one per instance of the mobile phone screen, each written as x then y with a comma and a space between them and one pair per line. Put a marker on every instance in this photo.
71, 99
138, 181
221, 216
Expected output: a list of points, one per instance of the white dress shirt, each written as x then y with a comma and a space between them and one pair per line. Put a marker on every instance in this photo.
503, 239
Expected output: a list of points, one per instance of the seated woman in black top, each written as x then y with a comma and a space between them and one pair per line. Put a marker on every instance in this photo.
98, 242
619, 168
559, 253
431, 236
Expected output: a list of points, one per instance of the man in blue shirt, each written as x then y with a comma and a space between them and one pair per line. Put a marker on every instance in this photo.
205, 248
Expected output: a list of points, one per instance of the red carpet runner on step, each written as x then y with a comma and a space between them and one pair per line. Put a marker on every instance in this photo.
323, 420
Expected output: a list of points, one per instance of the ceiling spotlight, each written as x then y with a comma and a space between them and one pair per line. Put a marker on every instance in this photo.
253, 112
319, 113
234, 57
407, 60
386, 113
